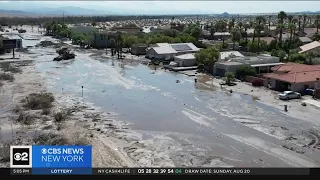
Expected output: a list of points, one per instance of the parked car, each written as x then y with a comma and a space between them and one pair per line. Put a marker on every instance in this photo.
286, 95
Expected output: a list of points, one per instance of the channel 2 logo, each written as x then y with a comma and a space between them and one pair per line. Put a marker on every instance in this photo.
21, 156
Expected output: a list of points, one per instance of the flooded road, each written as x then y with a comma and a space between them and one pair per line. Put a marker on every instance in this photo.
186, 123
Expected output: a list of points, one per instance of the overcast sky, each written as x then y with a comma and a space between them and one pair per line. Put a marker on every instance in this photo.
192, 6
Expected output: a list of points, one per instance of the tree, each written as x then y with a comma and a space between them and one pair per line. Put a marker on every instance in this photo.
129, 41
304, 22
236, 36
246, 27
289, 17
253, 46
207, 56
244, 71
212, 31
292, 28
298, 58
269, 24
231, 24
259, 19
317, 22
229, 78
299, 23
310, 56
281, 16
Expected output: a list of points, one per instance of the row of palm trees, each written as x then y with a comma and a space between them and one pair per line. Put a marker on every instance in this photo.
295, 26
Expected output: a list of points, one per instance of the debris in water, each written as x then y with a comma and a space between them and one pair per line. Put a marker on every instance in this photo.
304, 104
177, 81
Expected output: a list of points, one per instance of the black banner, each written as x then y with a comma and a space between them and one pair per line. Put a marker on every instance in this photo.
176, 171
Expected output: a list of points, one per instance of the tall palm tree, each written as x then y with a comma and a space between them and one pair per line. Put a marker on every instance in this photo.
291, 27
304, 22
240, 24
269, 24
236, 36
289, 17
253, 25
317, 22
281, 16
246, 27
299, 22
294, 21
260, 22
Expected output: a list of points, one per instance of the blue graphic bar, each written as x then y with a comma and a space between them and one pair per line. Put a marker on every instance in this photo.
61, 171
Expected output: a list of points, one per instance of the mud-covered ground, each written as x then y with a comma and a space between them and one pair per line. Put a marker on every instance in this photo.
135, 116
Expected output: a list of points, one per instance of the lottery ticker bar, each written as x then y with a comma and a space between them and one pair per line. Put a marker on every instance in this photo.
164, 171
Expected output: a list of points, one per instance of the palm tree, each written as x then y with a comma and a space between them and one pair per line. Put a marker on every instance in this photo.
317, 22
246, 27
291, 27
212, 31
231, 24
304, 22
294, 21
300, 16
252, 25
240, 24
259, 19
236, 36
281, 16
269, 24
289, 17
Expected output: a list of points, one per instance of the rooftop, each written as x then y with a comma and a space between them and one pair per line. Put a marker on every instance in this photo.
309, 46
230, 54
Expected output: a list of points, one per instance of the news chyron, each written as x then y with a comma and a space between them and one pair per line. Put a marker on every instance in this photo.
51, 159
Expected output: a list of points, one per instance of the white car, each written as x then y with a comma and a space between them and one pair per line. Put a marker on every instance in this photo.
286, 95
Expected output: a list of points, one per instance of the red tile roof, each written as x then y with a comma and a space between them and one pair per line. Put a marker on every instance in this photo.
295, 73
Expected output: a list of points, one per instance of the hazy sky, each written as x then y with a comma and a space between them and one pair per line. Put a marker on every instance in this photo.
193, 6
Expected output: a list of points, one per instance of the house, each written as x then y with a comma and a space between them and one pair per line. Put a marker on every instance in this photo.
139, 49
313, 47
309, 32
128, 30
233, 46
285, 36
251, 31
294, 77
305, 40
222, 35
266, 39
262, 64
165, 51
273, 30
224, 56
11, 41
185, 60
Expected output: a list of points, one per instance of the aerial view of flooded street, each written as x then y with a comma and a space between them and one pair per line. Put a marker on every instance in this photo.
137, 114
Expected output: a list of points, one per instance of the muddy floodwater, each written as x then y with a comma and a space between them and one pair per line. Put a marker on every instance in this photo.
185, 123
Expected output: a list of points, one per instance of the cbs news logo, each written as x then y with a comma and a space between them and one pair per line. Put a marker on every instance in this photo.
20, 156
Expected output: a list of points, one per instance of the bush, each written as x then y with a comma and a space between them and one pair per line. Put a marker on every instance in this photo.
229, 79
5, 151
244, 71
59, 116
41, 100
17, 109
6, 77
7, 67
257, 82
25, 118
45, 111
51, 139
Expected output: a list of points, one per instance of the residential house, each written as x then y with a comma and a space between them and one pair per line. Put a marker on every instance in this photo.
273, 30
128, 30
165, 51
313, 47
262, 64
185, 60
294, 77
250, 32
139, 49
305, 40
309, 32
222, 35
285, 36
266, 39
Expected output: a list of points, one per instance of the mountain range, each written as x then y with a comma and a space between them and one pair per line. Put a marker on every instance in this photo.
34, 8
